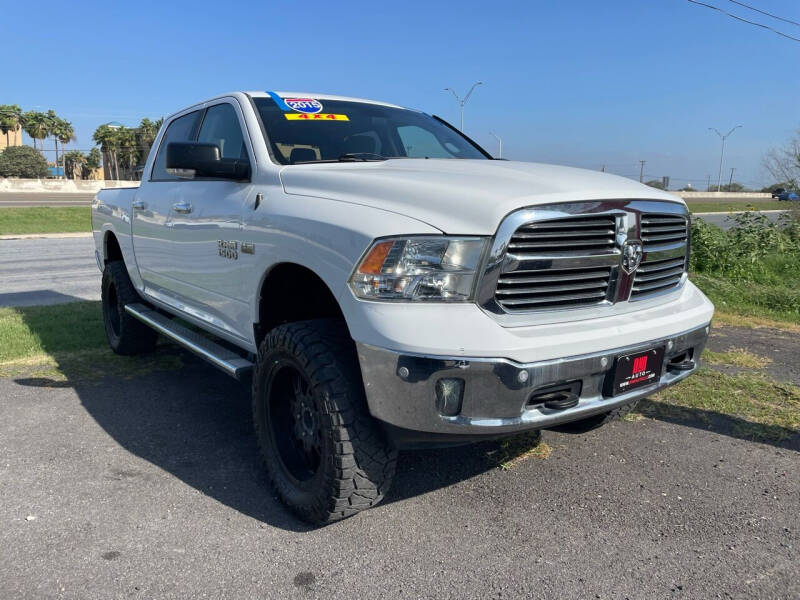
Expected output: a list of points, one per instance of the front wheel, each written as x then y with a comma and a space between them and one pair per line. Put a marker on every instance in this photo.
326, 456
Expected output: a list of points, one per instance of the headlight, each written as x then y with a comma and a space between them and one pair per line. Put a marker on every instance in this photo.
419, 268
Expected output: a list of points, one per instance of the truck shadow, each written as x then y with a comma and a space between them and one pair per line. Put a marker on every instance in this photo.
194, 423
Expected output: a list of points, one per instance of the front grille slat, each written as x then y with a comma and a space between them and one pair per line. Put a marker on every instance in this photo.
564, 262
657, 274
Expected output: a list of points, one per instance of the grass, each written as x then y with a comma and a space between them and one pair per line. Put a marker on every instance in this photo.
66, 342
510, 452
751, 304
736, 357
751, 405
45, 219
736, 205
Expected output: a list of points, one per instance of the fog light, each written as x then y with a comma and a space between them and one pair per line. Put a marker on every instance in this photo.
449, 395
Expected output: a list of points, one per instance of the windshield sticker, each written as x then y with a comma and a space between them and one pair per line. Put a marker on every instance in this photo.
315, 117
304, 105
308, 106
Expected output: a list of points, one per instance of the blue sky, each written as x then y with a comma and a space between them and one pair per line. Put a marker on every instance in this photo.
584, 83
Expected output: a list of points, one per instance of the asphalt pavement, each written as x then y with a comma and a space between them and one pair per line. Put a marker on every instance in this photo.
725, 221
45, 199
48, 271
151, 487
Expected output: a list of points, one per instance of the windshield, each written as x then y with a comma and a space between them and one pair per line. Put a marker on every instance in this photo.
352, 131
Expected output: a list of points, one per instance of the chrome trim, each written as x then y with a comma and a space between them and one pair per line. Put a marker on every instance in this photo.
400, 387
500, 261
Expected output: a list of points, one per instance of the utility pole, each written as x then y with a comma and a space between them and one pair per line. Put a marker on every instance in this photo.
708, 183
730, 181
641, 171
722, 152
499, 141
461, 102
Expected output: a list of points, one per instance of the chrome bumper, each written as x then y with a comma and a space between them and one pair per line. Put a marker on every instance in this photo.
401, 388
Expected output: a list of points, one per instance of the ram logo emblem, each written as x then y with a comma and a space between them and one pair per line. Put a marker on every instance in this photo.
632, 253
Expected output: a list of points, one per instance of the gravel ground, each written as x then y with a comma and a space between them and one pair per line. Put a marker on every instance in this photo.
151, 488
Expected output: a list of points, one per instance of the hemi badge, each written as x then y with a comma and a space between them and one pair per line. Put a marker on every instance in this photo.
248, 248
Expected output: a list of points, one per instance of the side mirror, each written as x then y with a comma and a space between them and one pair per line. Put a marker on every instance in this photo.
194, 160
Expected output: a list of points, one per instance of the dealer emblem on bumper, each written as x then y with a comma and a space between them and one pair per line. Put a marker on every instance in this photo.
632, 252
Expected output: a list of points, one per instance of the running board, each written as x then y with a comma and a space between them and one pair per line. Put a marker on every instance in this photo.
222, 358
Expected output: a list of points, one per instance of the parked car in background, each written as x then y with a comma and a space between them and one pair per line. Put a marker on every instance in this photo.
777, 192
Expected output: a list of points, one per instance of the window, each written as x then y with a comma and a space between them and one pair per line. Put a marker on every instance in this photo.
182, 129
221, 127
348, 130
421, 143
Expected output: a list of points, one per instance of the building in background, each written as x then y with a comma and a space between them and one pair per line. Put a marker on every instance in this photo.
14, 138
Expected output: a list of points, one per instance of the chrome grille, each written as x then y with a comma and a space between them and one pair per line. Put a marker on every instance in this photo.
665, 239
554, 263
546, 288
573, 234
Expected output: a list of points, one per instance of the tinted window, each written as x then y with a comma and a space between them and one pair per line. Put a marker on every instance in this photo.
182, 129
221, 127
363, 130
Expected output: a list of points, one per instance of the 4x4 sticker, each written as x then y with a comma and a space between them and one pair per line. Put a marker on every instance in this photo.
316, 117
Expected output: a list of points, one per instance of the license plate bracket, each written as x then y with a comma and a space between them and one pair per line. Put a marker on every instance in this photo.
635, 370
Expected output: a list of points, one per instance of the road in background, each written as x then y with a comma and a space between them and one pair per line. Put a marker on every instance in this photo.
45, 199
726, 222
48, 271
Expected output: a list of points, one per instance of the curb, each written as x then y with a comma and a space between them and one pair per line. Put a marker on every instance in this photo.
45, 236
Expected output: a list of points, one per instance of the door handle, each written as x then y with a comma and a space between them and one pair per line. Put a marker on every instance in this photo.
138, 205
182, 207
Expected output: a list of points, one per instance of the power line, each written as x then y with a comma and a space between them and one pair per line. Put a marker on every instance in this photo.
763, 12
732, 16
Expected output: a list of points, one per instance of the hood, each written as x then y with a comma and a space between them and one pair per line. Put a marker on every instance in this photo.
467, 197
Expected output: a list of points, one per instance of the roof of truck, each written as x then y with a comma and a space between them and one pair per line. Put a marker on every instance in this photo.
317, 96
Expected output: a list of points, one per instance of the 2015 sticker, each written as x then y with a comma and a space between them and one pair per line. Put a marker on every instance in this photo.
315, 117
304, 105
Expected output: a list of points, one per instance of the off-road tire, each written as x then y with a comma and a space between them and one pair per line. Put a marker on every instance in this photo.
595, 421
126, 334
356, 464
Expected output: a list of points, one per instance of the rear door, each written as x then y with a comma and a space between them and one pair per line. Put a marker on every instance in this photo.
204, 259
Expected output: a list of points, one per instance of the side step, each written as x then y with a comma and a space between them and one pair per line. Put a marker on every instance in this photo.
222, 358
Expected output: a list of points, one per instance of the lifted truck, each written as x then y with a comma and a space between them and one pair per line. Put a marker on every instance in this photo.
384, 283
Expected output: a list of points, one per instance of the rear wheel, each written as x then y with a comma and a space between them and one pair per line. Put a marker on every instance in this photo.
326, 456
125, 334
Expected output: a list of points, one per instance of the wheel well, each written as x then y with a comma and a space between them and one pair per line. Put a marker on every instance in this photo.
112, 249
293, 293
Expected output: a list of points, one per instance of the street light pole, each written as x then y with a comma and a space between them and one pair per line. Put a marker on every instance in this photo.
499, 141
722, 152
464, 101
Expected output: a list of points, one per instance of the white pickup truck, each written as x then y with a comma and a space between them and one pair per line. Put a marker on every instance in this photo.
386, 284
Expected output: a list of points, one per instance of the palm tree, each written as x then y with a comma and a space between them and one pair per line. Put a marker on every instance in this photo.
107, 138
36, 124
10, 116
147, 132
74, 160
128, 148
64, 133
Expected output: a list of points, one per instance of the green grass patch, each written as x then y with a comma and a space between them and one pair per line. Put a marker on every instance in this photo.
736, 205
749, 304
67, 342
750, 406
45, 219
736, 357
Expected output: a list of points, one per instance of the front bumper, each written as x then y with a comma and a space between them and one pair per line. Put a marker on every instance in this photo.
401, 388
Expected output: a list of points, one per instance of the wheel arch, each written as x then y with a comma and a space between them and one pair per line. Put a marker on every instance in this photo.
291, 292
